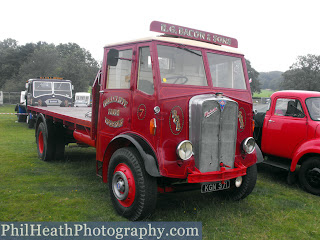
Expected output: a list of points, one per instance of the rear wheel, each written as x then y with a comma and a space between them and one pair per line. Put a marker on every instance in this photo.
50, 141
132, 190
59, 140
309, 175
45, 143
248, 183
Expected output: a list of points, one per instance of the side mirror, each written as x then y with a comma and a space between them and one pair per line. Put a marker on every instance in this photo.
112, 58
27, 85
72, 87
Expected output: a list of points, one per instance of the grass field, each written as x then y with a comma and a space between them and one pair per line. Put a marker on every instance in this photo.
69, 190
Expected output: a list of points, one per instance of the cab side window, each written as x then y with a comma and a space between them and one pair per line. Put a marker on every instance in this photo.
289, 108
145, 77
119, 76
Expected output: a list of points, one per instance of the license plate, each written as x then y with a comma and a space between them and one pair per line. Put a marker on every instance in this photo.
215, 186
53, 101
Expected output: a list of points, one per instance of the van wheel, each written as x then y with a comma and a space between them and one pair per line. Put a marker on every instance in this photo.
309, 175
45, 142
248, 183
132, 190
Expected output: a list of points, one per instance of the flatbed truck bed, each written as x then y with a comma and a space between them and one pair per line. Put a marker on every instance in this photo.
79, 116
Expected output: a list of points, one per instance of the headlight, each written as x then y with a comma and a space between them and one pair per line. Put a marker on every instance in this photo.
248, 145
184, 150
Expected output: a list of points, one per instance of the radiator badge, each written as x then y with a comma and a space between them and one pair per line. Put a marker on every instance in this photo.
210, 112
242, 119
222, 104
176, 120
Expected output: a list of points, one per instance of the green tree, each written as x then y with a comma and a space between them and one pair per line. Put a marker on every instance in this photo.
254, 77
271, 80
304, 74
12, 56
77, 64
9, 63
69, 61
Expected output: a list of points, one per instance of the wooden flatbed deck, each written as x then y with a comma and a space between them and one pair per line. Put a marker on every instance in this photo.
75, 115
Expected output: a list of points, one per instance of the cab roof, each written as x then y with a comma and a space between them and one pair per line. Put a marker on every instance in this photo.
175, 40
296, 93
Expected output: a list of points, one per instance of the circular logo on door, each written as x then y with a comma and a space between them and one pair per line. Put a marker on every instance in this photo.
176, 120
141, 112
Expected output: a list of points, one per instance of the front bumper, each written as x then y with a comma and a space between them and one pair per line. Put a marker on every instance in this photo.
195, 176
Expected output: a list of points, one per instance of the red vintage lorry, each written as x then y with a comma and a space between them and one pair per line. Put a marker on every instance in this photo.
168, 113
289, 135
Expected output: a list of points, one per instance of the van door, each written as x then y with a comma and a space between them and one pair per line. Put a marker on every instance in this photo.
285, 128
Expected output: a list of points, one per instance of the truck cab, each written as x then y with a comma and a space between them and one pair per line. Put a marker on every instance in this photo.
49, 91
290, 135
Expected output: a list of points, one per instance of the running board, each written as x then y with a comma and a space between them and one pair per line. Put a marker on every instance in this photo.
277, 164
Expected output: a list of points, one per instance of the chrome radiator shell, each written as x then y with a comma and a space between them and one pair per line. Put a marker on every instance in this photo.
213, 123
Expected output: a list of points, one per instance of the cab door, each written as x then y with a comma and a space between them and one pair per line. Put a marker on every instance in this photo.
115, 99
144, 96
285, 128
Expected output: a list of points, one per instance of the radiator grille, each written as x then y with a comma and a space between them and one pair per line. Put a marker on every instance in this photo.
213, 131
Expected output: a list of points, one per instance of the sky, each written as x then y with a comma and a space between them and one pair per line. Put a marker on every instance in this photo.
271, 34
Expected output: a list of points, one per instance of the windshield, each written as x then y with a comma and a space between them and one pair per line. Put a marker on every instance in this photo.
179, 65
47, 88
42, 88
226, 71
62, 88
313, 105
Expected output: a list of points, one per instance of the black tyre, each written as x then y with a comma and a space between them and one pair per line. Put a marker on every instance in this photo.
132, 190
30, 122
59, 140
309, 175
45, 142
248, 183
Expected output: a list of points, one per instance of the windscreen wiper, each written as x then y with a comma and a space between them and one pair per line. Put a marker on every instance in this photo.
181, 46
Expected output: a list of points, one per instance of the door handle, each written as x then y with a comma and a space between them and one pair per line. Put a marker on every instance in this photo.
271, 121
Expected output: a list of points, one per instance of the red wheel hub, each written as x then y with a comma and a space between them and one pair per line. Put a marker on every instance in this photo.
40, 142
123, 185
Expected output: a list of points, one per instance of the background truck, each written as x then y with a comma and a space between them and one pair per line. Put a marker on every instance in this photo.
82, 99
289, 135
44, 91
168, 113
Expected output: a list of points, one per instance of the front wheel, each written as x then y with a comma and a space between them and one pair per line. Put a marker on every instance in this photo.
248, 183
309, 175
132, 190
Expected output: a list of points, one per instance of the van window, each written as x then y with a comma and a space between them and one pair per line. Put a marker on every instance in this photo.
289, 108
